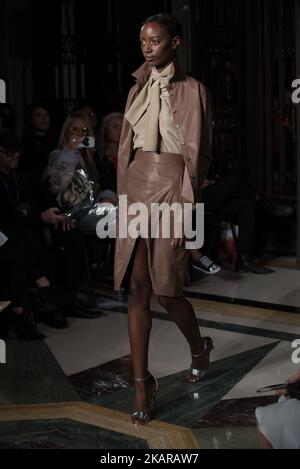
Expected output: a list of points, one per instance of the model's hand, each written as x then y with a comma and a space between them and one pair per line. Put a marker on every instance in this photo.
177, 242
179, 238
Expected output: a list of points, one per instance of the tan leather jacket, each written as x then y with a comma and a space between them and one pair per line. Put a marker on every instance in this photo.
192, 111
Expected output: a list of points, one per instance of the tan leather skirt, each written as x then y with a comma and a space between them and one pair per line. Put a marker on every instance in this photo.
154, 178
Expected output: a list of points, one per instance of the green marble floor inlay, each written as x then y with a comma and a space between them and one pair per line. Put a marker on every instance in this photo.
182, 403
62, 434
227, 438
33, 376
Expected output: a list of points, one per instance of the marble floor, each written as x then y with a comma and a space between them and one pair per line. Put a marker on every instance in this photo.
253, 320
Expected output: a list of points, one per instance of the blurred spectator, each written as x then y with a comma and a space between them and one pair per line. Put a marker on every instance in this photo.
88, 111
72, 184
227, 198
71, 177
38, 141
279, 424
23, 254
8, 117
67, 246
108, 149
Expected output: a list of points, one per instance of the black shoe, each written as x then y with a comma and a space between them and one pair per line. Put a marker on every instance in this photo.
43, 299
244, 264
23, 327
31, 335
206, 265
78, 310
52, 319
45, 310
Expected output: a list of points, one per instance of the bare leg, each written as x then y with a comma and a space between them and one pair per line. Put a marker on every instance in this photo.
182, 313
196, 254
140, 323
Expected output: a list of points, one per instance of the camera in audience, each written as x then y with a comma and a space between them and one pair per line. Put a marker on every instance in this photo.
87, 142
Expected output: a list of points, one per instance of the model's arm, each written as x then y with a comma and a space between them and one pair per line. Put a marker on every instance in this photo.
125, 142
206, 141
205, 150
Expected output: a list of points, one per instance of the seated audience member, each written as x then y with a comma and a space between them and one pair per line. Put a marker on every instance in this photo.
68, 263
229, 199
20, 321
8, 116
72, 184
279, 423
17, 321
23, 255
88, 111
71, 177
108, 149
38, 142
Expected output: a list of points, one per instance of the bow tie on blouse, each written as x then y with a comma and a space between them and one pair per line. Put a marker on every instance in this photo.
149, 100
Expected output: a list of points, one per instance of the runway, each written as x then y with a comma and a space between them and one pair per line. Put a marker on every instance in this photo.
75, 388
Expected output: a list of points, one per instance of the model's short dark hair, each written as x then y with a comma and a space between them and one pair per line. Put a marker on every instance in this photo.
172, 25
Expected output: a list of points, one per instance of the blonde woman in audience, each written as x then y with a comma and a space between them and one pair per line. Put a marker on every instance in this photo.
108, 149
71, 177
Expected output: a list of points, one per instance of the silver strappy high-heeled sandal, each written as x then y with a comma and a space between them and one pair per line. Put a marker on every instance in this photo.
139, 417
197, 374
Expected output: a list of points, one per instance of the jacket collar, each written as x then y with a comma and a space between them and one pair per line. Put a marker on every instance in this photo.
143, 73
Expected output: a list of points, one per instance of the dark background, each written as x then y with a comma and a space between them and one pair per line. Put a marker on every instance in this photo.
245, 51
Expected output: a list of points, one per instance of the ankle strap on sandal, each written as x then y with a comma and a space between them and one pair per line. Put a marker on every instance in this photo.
143, 379
207, 341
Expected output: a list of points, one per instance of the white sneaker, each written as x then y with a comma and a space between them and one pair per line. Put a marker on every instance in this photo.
206, 265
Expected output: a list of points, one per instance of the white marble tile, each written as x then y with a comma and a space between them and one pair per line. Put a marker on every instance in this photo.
275, 368
89, 342
281, 287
